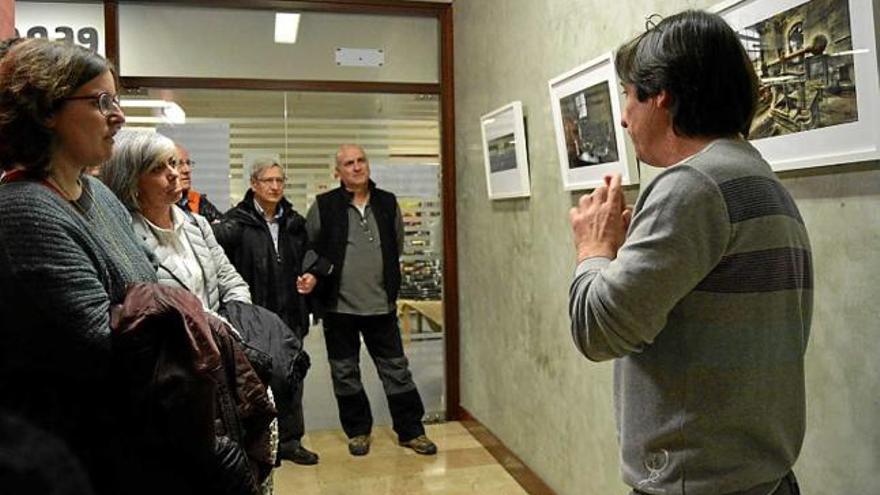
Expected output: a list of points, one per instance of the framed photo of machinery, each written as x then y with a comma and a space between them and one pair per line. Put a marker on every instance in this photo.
585, 103
818, 95
505, 152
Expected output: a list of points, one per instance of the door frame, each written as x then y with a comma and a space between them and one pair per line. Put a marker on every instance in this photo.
444, 88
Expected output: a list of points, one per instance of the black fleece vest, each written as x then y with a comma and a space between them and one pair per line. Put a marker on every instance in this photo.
333, 210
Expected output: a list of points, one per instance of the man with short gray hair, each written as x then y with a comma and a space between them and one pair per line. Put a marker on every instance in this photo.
191, 200
265, 238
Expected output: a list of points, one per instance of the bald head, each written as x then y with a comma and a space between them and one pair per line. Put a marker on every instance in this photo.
344, 148
353, 168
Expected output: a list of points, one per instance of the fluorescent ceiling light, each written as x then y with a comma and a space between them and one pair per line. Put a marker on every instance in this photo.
174, 113
171, 111
286, 27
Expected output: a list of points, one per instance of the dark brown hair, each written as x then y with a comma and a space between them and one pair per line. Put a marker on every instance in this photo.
36, 75
700, 62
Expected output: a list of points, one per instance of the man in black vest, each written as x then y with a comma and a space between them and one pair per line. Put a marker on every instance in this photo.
358, 228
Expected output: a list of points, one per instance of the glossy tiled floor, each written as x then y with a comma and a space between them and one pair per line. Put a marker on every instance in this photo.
461, 467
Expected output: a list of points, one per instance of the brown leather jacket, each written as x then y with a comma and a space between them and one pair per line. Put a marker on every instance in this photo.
187, 383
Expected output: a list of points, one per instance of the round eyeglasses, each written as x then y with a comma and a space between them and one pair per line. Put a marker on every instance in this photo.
107, 103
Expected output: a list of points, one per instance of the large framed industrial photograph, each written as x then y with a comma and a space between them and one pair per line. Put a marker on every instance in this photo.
816, 61
505, 152
585, 103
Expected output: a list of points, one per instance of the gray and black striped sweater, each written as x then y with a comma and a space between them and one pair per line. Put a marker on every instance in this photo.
707, 310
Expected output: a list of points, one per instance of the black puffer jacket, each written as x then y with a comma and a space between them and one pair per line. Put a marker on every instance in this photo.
264, 331
245, 237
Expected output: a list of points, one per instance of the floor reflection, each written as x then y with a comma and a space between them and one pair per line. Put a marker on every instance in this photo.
462, 466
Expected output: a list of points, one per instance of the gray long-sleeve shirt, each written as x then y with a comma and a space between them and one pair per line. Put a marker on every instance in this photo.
707, 310
361, 284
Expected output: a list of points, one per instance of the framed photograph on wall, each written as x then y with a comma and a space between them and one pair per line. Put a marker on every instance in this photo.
586, 113
505, 153
816, 61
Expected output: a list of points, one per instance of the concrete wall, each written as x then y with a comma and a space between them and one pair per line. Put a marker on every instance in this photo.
520, 374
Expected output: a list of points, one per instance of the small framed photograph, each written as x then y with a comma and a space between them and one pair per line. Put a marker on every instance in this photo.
586, 115
505, 152
816, 62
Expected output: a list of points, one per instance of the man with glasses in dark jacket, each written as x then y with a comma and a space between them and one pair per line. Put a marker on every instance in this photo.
265, 238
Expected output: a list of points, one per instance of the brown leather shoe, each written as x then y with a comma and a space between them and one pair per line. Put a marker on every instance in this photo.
359, 445
421, 445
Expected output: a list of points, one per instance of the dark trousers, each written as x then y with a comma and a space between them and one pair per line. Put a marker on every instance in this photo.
382, 338
288, 402
787, 486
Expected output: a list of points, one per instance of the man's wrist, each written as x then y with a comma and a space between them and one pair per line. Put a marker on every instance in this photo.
584, 252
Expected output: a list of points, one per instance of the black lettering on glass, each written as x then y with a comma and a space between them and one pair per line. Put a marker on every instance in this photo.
89, 38
66, 34
37, 32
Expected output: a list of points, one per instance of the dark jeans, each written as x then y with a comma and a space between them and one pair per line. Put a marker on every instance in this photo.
382, 337
787, 486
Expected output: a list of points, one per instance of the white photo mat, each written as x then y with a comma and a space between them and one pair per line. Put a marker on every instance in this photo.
840, 143
581, 79
505, 153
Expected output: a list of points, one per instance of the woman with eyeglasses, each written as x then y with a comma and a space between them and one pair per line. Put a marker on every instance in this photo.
144, 174
67, 250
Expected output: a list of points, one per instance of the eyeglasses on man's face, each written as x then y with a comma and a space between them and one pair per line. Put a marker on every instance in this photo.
107, 103
271, 180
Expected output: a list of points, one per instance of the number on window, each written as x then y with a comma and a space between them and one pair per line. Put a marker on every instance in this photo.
88, 37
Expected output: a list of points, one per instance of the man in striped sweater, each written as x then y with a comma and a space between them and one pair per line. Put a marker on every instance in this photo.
703, 294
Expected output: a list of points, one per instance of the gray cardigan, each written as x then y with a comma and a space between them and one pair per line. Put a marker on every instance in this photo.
67, 266
222, 282
61, 268
706, 311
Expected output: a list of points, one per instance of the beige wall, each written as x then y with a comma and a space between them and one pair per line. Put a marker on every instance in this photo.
159, 40
520, 373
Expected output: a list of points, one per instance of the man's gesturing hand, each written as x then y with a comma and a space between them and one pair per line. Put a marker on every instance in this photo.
600, 220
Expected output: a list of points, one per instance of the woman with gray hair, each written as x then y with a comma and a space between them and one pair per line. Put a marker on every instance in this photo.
143, 174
